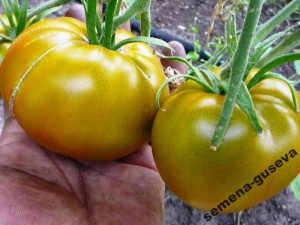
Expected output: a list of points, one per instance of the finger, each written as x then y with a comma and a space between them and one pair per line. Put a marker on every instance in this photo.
142, 157
11, 131
178, 51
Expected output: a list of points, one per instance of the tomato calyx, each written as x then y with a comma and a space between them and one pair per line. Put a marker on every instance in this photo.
245, 54
18, 16
101, 29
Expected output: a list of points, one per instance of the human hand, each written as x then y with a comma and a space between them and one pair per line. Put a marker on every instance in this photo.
41, 187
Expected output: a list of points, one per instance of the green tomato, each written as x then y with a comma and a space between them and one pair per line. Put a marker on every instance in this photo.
77, 99
247, 168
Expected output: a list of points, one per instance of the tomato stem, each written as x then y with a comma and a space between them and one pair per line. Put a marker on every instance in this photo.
265, 29
137, 7
91, 14
108, 29
146, 23
239, 63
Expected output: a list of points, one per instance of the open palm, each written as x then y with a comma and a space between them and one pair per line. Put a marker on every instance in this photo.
41, 187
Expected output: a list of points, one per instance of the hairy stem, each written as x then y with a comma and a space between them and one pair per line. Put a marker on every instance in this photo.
239, 64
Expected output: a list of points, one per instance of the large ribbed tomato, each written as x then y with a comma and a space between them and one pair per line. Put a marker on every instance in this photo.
77, 99
247, 168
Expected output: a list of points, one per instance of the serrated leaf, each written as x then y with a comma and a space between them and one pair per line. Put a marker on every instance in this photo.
245, 102
295, 186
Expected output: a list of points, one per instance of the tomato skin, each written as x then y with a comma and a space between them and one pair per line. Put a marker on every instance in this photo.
202, 178
78, 99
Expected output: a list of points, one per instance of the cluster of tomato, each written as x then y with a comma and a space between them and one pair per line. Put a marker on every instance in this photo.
89, 102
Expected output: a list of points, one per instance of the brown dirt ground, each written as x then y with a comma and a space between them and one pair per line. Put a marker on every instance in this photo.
174, 17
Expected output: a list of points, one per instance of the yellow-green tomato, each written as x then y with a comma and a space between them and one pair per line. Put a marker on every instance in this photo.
247, 168
78, 99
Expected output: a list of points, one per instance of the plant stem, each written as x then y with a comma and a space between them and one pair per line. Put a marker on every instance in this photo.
239, 64
118, 7
109, 19
265, 29
47, 5
91, 14
146, 23
137, 7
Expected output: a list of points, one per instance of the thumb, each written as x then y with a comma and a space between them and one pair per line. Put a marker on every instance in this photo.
178, 51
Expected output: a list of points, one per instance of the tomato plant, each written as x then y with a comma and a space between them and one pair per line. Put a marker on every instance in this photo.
228, 138
181, 139
79, 99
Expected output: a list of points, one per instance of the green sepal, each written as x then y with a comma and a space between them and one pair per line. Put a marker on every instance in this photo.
16, 7
9, 13
22, 17
245, 102
43, 14
280, 77
271, 65
194, 70
166, 82
295, 186
148, 40
212, 79
8, 31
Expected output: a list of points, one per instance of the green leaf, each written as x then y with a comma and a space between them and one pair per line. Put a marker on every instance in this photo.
297, 66
289, 42
192, 56
245, 102
260, 50
280, 77
231, 36
295, 186
148, 40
